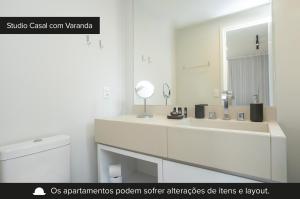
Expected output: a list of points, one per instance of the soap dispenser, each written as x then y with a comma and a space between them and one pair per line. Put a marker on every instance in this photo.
256, 110
200, 111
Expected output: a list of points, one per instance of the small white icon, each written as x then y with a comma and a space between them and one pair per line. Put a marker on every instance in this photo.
39, 192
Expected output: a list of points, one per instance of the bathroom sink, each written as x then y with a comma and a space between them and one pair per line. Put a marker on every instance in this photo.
218, 124
226, 145
226, 125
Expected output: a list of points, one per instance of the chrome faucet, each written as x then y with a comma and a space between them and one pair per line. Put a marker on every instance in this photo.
226, 97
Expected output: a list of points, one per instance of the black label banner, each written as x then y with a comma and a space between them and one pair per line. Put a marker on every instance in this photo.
149, 191
49, 25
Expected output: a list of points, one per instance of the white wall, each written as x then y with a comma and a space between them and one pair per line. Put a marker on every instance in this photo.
153, 38
200, 44
242, 42
52, 84
286, 18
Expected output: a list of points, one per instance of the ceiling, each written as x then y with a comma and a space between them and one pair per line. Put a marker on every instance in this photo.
186, 12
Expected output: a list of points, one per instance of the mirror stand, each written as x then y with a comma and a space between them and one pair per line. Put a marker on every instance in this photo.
145, 114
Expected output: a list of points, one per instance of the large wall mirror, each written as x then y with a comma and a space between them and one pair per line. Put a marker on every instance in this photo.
201, 48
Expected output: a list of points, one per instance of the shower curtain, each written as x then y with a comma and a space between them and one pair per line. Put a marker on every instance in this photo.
249, 76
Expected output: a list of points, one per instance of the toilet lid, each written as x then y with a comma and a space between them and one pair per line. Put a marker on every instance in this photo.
33, 146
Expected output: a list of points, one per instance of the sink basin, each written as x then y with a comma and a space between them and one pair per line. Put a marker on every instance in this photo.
218, 124
226, 125
256, 150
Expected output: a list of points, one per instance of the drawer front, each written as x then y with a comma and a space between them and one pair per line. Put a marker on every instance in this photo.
141, 138
180, 173
246, 154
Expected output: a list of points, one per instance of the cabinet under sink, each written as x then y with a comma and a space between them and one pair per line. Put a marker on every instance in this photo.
139, 168
252, 150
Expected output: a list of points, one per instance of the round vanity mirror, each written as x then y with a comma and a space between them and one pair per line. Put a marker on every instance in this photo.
145, 90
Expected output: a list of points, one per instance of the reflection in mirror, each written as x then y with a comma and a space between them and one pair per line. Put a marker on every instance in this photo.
166, 92
247, 63
180, 42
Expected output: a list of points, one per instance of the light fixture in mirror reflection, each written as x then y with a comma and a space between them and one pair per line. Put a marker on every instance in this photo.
184, 40
144, 89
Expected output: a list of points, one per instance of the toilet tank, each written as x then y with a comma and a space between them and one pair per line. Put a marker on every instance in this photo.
45, 160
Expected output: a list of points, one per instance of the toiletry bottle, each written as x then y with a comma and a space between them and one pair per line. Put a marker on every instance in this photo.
174, 112
200, 111
256, 110
185, 112
179, 111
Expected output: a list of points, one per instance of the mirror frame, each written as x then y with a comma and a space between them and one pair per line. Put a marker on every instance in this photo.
223, 53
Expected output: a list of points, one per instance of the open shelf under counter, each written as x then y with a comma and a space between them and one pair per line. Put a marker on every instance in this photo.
135, 167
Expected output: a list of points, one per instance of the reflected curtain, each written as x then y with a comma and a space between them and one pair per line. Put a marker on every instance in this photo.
249, 76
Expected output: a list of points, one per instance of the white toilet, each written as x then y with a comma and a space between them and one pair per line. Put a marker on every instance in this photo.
44, 160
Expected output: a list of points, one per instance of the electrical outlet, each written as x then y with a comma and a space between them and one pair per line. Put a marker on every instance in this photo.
106, 92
